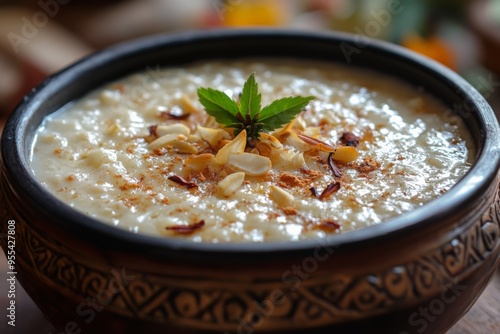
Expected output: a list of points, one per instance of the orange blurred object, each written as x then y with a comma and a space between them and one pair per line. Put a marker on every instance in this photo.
432, 47
255, 13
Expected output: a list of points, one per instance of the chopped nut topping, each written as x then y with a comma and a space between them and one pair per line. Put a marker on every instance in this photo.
187, 106
281, 196
184, 147
333, 167
289, 211
231, 183
166, 140
250, 164
316, 143
175, 113
349, 139
237, 145
367, 165
182, 181
212, 136
293, 140
264, 149
329, 226
177, 128
345, 154
329, 190
182, 229
287, 180
313, 174
201, 162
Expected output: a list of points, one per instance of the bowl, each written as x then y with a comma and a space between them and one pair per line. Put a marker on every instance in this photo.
419, 272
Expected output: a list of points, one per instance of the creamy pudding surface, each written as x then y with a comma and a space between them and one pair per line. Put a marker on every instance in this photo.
142, 153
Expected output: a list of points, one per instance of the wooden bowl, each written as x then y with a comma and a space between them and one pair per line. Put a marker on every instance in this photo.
419, 272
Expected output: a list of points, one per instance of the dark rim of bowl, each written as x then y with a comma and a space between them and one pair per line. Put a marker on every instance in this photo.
15, 152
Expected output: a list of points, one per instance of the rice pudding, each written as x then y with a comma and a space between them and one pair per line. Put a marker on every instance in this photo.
142, 154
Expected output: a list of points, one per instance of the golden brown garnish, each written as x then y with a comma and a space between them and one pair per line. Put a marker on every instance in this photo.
316, 143
287, 180
182, 229
289, 211
367, 165
349, 139
312, 174
174, 113
280, 196
182, 181
333, 167
328, 226
329, 190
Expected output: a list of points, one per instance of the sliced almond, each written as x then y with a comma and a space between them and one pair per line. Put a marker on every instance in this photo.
184, 147
293, 140
312, 131
284, 130
300, 123
298, 160
345, 154
280, 196
201, 162
177, 128
165, 141
289, 126
288, 159
212, 136
271, 140
194, 138
210, 122
250, 164
230, 184
222, 143
264, 149
237, 145
186, 105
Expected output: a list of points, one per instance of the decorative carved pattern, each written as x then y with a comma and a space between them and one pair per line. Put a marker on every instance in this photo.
218, 305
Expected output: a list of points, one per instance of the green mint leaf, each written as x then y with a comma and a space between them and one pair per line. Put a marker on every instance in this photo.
250, 98
248, 114
282, 111
219, 105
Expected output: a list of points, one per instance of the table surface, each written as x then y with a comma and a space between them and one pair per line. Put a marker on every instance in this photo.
483, 317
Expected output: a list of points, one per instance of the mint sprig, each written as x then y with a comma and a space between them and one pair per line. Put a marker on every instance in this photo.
248, 114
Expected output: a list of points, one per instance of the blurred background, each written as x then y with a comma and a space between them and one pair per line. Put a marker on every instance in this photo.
39, 37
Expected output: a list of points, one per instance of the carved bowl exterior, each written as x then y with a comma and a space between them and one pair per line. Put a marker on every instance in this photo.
417, 273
